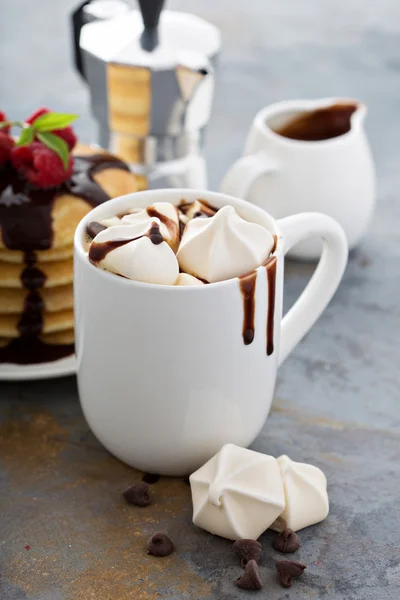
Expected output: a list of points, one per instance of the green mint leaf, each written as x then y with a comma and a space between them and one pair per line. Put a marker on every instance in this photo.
10, 124
52, 120
26, 137
56, 144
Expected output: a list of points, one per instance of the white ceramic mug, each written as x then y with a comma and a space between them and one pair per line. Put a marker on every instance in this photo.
165, 378
335, 176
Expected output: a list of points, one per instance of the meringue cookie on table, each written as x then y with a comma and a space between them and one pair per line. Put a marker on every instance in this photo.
237, 494
140, 258
306, 497
166, 212
223, 246
186, 279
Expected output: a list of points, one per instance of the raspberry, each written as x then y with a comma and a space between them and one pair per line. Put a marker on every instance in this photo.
38, 113
67, 134
4, 118
40, 166
6, 144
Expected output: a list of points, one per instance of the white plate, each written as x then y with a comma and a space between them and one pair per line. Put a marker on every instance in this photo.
58, 368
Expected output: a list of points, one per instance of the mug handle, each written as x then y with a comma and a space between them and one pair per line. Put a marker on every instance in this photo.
244, 172
325, 279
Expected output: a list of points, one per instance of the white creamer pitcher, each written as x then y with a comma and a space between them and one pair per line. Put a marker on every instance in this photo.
309, 155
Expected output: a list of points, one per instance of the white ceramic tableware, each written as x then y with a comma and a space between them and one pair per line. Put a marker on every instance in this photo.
165, 376
335, 176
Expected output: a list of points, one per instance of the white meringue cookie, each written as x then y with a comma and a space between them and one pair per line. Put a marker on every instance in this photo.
110, 222
306, 497
139, 259
237, 494
223, 246
186, 279
164, 211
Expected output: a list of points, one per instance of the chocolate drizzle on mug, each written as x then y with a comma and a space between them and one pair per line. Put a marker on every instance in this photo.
26, 225
270, 267
321, 124
247, 285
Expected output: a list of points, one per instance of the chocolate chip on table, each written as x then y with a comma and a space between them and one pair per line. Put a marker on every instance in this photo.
138, 494
287, 541
251, 578
160, 545
248, 550
150, 477
287, 569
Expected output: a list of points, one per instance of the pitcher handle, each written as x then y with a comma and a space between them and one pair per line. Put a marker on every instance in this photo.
244, 172
325, 279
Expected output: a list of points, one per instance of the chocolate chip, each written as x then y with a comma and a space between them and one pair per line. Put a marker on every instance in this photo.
93, 228
248, 550
251, 578
138, 494
287, 569
287, 541
160, 545
150, 477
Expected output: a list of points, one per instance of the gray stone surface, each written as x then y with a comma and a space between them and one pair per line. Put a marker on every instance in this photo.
337, 403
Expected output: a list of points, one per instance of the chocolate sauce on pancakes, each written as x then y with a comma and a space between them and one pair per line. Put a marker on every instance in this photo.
26, 225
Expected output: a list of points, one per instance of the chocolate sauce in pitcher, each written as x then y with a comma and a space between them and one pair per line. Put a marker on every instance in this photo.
26, 225
321, 124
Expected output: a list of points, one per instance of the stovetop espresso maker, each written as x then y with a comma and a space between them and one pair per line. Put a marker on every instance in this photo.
151, 78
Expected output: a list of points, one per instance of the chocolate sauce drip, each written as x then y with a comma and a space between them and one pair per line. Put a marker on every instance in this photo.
247, 285
150, 478
270, 267
206, 211
171, 225
99, 250
93, 228
322, 124
155, 234
31, 321
82, 182
30, 350
26, 225
181, 229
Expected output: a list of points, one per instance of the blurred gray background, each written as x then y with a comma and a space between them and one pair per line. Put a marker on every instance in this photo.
272, 50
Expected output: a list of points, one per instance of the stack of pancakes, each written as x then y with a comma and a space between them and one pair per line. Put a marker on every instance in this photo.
36, 295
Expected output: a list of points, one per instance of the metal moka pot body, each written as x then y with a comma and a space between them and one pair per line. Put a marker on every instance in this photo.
151, 80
